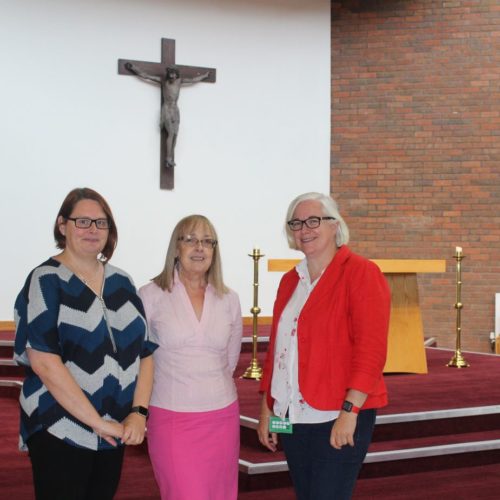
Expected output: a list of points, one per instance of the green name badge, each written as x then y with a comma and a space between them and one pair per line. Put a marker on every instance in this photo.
283, 426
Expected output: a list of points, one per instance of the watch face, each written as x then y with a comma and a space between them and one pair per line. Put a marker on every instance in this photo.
347, 406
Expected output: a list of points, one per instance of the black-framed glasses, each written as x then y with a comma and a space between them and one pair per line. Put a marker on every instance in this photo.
191, 241
311, 222
85, 223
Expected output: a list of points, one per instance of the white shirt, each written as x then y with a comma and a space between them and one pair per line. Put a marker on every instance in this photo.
285, 383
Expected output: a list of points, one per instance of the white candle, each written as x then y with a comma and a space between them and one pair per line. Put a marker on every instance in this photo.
459, 250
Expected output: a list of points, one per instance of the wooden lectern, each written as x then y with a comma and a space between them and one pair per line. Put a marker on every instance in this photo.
405, 350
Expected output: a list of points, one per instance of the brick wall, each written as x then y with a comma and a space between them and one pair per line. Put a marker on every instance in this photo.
415, 152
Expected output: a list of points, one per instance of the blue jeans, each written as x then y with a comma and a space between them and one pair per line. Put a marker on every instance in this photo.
319, 471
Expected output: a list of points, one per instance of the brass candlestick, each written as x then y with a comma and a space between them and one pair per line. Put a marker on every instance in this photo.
458, 361
254, 371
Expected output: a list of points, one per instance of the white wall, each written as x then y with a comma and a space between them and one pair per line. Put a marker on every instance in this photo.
247, 145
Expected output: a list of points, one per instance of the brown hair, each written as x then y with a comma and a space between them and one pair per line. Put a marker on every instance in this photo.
165, 279
72, 198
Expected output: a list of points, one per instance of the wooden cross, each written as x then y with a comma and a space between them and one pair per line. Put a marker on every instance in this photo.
158, 70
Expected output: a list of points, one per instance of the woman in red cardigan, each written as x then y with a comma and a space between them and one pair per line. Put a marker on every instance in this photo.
323, 379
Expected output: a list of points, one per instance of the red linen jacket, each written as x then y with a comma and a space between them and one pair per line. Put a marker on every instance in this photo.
342, 333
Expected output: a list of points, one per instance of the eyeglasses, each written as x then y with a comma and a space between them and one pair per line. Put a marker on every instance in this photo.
190, 241
311, 222
84, 223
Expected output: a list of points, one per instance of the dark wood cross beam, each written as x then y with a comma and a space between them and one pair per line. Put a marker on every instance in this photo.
158, 70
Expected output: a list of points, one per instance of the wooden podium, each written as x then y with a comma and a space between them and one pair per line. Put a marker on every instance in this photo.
405, 350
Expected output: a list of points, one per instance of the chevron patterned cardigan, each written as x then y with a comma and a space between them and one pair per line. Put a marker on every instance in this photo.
100, 341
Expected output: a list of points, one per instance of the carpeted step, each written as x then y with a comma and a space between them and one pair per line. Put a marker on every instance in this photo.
260, 456
403, 449
262, 331
8, 367
436, 423
461, 483
247, 344
7, 335
432, 458
6, 349
479, 438
388, 458
11, 375
6, 344
11, 380
10, 387
396, 428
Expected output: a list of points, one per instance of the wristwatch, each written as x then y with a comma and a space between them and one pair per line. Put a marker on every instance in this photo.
348, 407
141, 410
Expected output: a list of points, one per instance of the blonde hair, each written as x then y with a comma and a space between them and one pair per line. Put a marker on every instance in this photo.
330, 209
165, 280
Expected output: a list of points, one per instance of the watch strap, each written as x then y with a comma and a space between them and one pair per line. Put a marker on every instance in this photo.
141, 410
349, 407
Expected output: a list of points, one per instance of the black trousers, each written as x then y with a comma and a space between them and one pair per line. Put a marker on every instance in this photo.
319, 471
65, 472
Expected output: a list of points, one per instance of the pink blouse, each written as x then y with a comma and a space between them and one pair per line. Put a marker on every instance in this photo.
195, 360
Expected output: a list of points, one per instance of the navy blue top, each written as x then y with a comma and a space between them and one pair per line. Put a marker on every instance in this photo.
99, 339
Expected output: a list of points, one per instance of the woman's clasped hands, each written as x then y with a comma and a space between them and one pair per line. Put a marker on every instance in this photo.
131, 431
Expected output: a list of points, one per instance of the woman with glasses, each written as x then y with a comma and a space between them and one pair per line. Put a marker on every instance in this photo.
322, 379
193, 428
81, 334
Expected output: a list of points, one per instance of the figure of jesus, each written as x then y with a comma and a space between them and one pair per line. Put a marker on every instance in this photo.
170, 117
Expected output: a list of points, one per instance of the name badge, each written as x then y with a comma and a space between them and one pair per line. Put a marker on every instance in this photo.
283, 426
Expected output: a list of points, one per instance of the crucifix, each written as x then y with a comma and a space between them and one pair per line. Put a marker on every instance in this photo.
171, 77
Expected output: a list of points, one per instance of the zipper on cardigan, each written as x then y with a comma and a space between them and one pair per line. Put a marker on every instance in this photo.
105, 312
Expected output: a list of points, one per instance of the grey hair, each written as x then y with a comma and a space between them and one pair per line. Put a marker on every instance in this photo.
330, 209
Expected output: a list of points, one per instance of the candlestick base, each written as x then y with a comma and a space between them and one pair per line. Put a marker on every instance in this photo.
458, 361
254, 371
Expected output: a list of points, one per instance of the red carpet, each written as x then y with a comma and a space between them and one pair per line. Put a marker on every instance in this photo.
463, 476
442, 388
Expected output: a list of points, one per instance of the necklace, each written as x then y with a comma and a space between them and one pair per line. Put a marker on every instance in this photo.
90, 280
93, 282
87, 278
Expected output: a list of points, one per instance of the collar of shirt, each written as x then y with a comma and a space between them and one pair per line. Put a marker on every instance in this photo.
177, 281
305, 277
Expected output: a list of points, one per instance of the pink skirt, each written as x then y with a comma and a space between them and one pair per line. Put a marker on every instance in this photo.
195, 454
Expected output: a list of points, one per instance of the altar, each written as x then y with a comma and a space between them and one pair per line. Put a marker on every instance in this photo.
405, 350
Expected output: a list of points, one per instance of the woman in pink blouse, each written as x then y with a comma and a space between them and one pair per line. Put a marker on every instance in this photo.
193, 426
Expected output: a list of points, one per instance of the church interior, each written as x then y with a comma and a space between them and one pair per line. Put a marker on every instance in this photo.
392, 107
